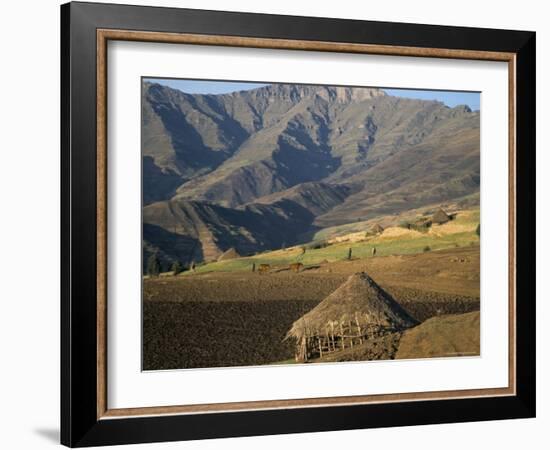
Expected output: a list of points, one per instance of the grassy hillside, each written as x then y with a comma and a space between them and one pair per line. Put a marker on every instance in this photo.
393, 241
469, 215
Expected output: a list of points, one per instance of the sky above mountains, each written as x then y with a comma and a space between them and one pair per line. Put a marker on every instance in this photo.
449, 98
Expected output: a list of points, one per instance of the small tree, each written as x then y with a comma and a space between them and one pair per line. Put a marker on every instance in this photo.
349, 254
177, 268
427, 248
478, 230
153, 265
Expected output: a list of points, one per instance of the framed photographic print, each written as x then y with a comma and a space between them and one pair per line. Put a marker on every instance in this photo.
276, 224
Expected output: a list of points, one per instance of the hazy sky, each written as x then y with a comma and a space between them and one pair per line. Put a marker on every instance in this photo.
450, 98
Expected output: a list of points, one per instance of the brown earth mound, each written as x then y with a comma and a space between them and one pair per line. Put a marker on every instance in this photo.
443, 336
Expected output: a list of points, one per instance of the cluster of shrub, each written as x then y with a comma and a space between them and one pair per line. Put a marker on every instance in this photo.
315, 245
422, 225
154, 266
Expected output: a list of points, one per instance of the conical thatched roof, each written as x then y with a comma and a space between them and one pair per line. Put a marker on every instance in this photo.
440, 217
229, 254
360, 299
377, 228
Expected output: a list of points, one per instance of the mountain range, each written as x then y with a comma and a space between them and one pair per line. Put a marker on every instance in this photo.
268, 167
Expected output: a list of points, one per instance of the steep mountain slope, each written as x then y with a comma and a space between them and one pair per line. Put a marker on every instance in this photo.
203, 231
260, 168
273, 159
317, 198
184, 135
443, 166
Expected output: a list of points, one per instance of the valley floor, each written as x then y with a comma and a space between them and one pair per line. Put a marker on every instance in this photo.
233, 318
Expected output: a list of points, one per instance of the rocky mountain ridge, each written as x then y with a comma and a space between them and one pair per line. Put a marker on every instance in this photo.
253, 169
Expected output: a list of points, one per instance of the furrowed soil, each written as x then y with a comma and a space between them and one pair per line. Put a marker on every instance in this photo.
221, 319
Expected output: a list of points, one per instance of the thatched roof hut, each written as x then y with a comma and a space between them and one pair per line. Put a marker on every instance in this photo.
440, 217
377, 229
229, 254
360, 302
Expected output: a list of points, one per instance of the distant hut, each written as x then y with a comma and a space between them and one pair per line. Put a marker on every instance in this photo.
264, 268
229, 254
357, 310
440, 217
377, 229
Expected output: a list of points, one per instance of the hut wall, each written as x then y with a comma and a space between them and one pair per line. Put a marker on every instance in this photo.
335, 337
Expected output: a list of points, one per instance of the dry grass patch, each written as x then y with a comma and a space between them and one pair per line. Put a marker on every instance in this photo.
444, 336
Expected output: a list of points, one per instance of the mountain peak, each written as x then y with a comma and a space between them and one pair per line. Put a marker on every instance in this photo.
462, 109
344, 94
340, 94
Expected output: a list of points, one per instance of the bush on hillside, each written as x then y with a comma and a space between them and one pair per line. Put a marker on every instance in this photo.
315, 245
177, 268
153, 266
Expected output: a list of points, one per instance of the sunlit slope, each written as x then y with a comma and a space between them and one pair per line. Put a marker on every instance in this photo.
395, 240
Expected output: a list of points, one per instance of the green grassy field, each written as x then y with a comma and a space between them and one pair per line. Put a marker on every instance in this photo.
394, 241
